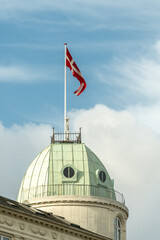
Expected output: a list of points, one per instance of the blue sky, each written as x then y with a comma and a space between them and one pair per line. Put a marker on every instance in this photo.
101, 37
116, 45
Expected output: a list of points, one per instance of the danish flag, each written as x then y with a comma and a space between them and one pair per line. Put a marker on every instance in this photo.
76, 72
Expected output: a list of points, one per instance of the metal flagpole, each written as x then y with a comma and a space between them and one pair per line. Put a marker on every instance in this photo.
65, 94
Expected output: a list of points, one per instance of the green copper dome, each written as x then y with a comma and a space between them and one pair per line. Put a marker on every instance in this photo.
66, 169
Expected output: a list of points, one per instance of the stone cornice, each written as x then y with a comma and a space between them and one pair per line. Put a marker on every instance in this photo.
47, 223
67, 200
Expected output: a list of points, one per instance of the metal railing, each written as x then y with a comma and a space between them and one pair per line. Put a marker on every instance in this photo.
72, 190
70, 137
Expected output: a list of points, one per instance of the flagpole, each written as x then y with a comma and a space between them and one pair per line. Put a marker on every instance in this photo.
65, 93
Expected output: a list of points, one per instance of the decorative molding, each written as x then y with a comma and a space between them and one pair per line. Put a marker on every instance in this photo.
34, 230
42, 232
38, 231
54, 235
77, 201
22, 226
8, 222
17, 237
2, 220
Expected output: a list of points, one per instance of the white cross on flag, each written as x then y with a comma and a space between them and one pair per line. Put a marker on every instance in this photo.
76, 72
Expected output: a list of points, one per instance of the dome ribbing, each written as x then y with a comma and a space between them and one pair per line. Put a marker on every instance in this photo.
66, 169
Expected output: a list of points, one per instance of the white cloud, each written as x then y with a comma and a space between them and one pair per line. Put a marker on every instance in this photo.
142, 76
19, 145
128, 148
125, 145
130, 151
99, 14
24, 74
139, 75
33, 46
49, 4
18, 6
148, 115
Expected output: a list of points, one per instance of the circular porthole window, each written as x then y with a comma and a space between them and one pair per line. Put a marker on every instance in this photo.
68, 172
102, 176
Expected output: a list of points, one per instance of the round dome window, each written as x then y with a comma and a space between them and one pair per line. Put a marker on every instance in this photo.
68, 172
102, 176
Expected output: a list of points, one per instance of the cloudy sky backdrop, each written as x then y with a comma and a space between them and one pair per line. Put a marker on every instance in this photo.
116, 45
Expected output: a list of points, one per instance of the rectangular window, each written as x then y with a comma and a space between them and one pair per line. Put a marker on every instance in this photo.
4, 238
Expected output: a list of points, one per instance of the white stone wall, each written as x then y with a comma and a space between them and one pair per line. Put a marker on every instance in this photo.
94, 214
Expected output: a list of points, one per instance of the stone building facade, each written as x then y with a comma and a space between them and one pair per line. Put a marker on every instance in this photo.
22, 222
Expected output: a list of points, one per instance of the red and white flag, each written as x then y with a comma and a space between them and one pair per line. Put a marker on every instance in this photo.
76, 72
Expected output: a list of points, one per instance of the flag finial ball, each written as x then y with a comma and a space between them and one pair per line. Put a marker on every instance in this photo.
65, 44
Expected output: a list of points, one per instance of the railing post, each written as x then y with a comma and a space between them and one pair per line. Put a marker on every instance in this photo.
52, 138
